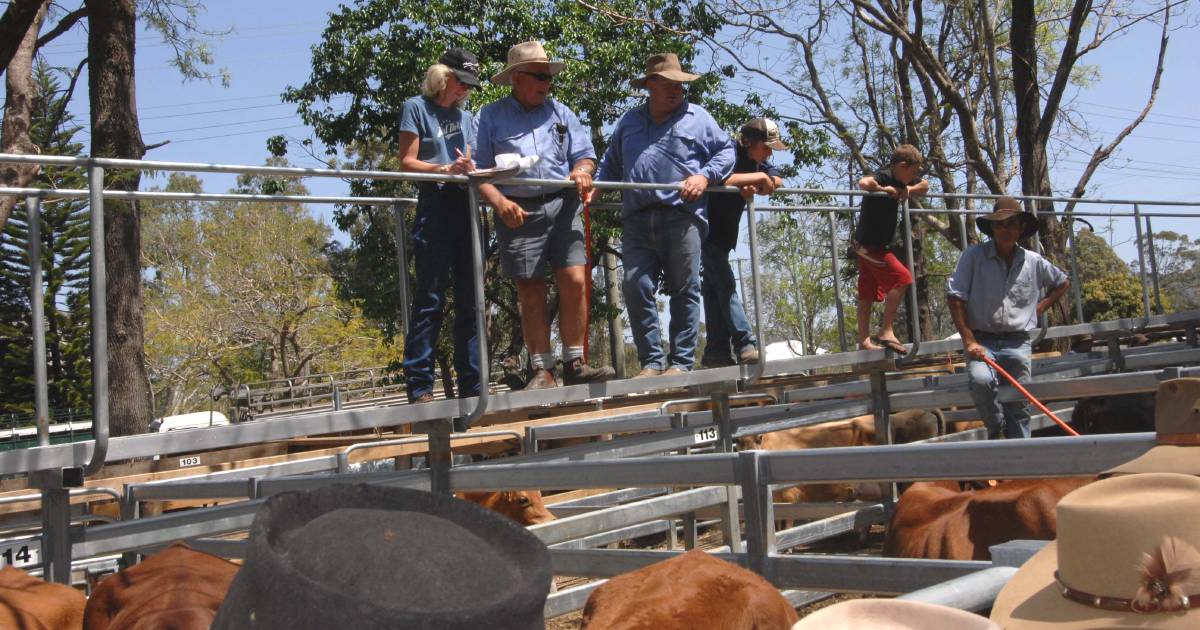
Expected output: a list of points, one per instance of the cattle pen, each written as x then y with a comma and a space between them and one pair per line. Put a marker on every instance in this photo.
651, 476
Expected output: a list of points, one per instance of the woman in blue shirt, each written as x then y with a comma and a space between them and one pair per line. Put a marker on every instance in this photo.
436, 135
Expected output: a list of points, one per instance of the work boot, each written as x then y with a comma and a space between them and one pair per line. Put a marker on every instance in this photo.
715, 361
541, 379
674, 370
576, 372
648, 371
748, 356
423, 398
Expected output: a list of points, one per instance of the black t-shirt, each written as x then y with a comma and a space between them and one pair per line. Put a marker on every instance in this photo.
725, 209
877, 216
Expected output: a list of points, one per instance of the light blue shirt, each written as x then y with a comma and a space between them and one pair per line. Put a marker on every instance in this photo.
550, 131
440, 130
688, 143
1002, 299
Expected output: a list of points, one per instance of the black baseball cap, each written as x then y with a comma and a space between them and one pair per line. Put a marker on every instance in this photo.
464, 64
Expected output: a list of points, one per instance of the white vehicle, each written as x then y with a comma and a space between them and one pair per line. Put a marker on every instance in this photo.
194, 420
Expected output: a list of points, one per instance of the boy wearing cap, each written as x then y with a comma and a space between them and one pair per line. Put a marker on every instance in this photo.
436, 135
540, 227
881, 276
666, 141
727, 328
995, 297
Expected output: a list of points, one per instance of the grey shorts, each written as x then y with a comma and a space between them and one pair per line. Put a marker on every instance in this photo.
551, 236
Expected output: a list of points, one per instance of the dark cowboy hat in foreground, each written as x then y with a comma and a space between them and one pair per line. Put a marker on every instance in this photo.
1005, 208
371, 557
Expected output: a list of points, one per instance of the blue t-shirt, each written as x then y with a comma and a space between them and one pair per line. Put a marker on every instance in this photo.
440, 130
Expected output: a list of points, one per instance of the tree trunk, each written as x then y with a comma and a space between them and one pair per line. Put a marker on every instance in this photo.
115, 133
18, 113
20, 17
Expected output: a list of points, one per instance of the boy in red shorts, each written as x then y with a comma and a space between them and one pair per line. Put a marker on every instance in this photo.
881, 276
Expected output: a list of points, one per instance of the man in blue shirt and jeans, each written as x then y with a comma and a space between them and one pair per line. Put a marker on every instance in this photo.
540, 227
665, 141
995, 298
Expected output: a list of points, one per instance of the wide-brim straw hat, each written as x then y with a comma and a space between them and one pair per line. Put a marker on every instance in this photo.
1007, 207
1121, 544
524, 54
373, 558
665, 65
891, 614
1177, 432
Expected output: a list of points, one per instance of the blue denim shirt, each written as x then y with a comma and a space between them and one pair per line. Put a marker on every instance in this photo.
1002, 299
550, 131
688, 143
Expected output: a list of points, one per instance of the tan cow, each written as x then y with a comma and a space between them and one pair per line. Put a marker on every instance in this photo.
908, 426
693, 590
179, 588
939, 521
29, 603
523, 506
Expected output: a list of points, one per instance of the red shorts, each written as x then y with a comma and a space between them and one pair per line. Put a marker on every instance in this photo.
875, 280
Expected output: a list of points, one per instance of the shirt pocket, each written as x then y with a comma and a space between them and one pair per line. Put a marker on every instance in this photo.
508, 144
1024, 290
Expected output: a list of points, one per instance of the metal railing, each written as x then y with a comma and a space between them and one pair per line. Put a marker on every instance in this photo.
49, 462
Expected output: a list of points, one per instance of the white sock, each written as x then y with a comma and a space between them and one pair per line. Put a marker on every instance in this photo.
542, 360
570, 353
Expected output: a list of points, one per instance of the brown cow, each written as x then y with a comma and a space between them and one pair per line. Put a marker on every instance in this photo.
179, 588
29, 603
908, 426
523, 506
938, 521
694, 590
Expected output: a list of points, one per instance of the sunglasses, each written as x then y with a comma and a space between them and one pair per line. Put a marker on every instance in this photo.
540, 76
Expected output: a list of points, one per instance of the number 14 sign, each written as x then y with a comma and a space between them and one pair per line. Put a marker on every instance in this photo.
21, 552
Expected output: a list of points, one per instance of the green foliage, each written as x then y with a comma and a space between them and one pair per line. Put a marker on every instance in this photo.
1112, 297
65, 260
1178, 257
177, 21
241, 292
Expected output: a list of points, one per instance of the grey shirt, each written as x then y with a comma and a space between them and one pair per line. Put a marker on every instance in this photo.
1002, 299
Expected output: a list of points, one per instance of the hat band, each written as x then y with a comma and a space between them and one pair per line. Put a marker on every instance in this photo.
1125, 605
1178, 439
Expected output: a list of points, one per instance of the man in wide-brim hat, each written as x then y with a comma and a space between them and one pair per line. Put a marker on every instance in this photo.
540, 228
666, 141
995, 296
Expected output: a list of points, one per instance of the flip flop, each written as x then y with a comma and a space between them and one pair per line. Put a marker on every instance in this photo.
891, 344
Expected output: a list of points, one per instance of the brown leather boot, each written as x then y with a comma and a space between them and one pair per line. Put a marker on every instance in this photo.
576, 372
541, 379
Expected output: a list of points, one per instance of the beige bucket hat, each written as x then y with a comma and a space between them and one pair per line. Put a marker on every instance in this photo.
524, 54
1126, 557
1177, 429
665, 65
891, 614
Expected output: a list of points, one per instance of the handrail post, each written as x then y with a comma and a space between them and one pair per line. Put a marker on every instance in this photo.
1158, 307
914, 313
480, 322
759, 506
752, 227
1076, 283
99, 300
837, 280
33, 208
729, 509
402, 261
1137, 224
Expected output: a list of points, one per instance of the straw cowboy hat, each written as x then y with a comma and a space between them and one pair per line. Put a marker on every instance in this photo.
1177, 429
524, 54
1004, 208
664, 65
1127, 556
891, 614
372, 557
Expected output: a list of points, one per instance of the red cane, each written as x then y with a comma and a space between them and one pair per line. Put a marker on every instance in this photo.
587, 286
1037, 403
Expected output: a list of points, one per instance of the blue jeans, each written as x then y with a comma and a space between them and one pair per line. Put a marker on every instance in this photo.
662, 241
726, 327
1014, 355
441, 243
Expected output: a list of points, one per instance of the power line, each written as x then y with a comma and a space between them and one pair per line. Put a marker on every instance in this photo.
1136, 111
231, 135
